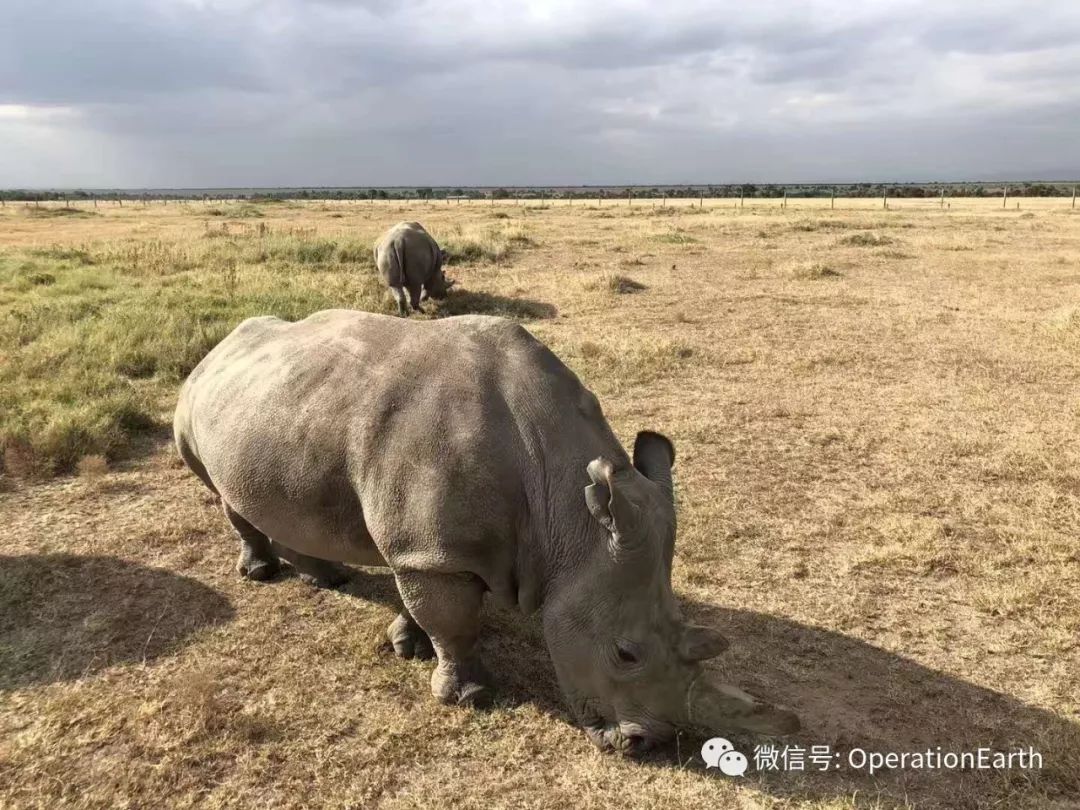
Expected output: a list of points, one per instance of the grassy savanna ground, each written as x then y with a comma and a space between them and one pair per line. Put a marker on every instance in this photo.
876, 414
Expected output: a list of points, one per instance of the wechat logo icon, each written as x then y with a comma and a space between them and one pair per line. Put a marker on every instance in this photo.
719, 753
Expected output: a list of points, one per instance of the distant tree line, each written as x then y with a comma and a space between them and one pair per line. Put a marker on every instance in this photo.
749, 190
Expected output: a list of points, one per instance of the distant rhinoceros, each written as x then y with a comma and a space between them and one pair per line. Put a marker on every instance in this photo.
462, 454
409, 259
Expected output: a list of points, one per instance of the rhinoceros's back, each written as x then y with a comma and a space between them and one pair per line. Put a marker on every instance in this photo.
376, 424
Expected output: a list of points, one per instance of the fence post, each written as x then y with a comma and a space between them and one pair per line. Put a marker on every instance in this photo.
663, 201
832, 199
1074, 197
885, 199
701, 200
1004, 196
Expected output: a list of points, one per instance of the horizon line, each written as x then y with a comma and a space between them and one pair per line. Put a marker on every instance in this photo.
542, 186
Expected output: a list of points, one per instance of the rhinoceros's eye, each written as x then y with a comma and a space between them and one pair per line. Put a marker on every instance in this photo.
626, 653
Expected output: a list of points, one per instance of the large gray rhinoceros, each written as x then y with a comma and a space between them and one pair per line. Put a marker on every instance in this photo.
409, 259
465, 456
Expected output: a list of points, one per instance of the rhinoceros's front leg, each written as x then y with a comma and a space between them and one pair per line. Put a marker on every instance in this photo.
408, 638
447, 607
257, 558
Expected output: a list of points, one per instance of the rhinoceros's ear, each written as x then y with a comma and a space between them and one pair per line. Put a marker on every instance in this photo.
654, 455
606, 501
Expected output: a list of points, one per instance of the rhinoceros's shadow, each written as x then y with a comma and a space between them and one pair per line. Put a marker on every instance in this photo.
475, 302
63, 616
847, 692
851, 694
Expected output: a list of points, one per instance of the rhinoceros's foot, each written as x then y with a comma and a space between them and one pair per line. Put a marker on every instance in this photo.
408, 639
312, 570
325, 575
258, 570
257, 560
463, 685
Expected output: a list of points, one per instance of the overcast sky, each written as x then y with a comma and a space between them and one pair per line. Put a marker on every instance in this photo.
143, 93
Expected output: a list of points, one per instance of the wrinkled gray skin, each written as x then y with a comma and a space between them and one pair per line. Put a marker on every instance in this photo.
409, 259
466, 457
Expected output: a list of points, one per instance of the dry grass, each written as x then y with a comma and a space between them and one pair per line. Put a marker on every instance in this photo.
878, 483
810, 270
867, 240
616, 283
92, 466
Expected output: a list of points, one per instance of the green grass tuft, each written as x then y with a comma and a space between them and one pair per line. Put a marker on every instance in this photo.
94, 345
493, 244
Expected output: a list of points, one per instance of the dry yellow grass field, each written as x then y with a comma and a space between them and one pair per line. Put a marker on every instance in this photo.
877, 417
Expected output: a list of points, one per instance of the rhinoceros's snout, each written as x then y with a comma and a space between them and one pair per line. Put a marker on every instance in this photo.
628, 739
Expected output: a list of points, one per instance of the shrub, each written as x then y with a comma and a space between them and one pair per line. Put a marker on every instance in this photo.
867, 240
812, 270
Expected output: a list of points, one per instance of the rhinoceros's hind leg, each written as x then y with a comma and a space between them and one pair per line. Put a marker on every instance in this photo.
408, 638
447, 607
312, 570
414, 298
257, 559
399, 298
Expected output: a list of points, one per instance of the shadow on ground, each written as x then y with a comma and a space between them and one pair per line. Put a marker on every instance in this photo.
511, 645
86, 613
848, 693
851, 694
64, 616
466, 302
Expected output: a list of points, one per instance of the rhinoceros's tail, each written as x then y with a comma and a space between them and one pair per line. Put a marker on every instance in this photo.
399, 256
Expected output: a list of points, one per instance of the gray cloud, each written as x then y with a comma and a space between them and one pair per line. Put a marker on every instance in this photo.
281, 92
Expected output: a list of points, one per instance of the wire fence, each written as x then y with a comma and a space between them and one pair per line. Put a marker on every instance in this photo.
943, 203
